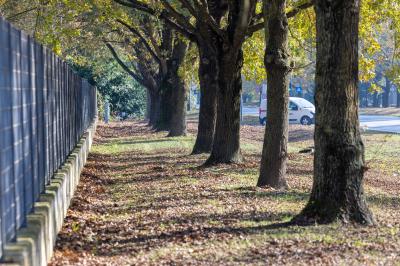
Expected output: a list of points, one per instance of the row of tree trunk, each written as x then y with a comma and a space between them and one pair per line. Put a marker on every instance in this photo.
339, 164
383, 99
170, 98
166, 89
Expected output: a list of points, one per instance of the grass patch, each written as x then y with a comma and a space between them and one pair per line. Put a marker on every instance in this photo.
121, 145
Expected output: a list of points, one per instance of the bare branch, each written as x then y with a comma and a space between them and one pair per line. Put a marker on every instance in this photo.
181, 19
258, 16
123, 65
260, 25
142, 39
12, 17
307, 49
203, 7
150, 34
186, 4
124, 3
303, 66
245, 14
299, 8
256, 27
188, 32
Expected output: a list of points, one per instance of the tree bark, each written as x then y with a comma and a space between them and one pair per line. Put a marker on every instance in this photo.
386, 93
375, 99
207, 44
274, 155
363, 95
148, 106
172, 89
398, 97
155, 108
339, 164
177, 87
166, 101
226, 145
208, 75
178, 117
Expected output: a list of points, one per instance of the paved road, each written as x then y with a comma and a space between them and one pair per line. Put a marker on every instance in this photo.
250, 111
382, 123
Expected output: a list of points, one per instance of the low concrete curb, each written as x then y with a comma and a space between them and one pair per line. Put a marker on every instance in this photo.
35, 242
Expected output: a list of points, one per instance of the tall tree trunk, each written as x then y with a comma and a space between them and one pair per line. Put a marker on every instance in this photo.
173, 92
375, 99
274, 155
177, 90
363, 95
398, 97
365, 99
148, 106
155, 108
386, 93
226, 145
208, 75
178, 118
166, 104
339, 164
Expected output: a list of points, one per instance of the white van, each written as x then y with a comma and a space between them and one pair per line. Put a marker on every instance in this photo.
300, 111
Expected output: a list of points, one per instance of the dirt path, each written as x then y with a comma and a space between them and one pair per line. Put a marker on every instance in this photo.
143, 201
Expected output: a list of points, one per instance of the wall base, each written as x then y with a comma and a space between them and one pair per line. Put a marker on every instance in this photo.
35, 242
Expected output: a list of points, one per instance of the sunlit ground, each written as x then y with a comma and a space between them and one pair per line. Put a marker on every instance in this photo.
143, 200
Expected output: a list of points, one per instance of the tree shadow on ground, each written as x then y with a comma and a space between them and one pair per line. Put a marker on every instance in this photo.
300, 135
158, 227
136, 202
148, 141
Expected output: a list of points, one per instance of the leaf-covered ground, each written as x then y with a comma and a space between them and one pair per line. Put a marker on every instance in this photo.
143, 200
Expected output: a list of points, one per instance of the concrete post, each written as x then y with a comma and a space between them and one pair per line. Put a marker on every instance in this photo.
106, 112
